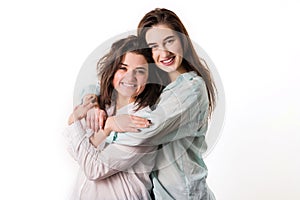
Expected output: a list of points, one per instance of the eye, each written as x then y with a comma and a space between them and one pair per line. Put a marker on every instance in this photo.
169, 41
122, 68
153, 46
141, 71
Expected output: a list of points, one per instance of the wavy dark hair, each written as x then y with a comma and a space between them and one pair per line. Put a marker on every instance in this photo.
110, 63
191, 61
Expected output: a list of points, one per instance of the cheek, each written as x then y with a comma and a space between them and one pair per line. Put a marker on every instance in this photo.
155, 55
180, 52
117, 78
177, 48
142, 79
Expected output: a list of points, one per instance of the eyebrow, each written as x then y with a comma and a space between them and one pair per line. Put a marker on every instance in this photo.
169, 37
166, 38
124, 64
142, 67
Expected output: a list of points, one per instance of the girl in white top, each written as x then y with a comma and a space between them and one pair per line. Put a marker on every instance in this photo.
126, 80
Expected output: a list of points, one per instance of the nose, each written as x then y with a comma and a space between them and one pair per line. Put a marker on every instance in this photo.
163, 51
130, 75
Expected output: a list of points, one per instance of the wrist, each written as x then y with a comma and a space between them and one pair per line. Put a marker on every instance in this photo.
76, 117
93, 141
97, 138
106, 132
108, 125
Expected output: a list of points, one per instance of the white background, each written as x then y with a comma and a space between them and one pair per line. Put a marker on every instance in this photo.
255, 46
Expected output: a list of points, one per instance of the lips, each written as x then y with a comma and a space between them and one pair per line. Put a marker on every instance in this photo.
129, 85
168, 61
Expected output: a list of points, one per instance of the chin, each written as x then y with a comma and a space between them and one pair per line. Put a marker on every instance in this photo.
168, 69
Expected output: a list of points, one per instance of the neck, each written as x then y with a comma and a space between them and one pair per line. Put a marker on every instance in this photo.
173, 75
123, 101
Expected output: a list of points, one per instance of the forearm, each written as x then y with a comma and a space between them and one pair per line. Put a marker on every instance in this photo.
86, 155
97, 163
101, 164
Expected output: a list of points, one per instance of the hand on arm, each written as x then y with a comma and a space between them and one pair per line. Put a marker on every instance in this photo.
86, 92
80, 111
126, 123
119, 123
95, 118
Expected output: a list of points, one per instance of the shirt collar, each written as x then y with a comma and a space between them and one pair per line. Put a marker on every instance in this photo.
187, 76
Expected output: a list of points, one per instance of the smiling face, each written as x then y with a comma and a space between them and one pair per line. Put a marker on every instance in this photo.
131, 77
166, 49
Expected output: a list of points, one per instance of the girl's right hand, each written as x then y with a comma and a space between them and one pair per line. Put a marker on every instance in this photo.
125, 123
95, 119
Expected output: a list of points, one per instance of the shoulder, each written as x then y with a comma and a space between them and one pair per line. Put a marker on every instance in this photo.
194, 80
187, 89
143, 112
187, 83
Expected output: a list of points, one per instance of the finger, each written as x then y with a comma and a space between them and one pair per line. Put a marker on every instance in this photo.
85, 110
88, 120
136, 118
76, 108
141, 122
87, 101
140, 125
92, 122
134, 130
90, 106
102, 118
103, 113
96, 120
100, 121
88, 97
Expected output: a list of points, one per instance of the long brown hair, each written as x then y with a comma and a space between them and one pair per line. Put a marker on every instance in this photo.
191, 60
109, 64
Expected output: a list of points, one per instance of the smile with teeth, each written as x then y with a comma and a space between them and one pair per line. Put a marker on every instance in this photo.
168, 61
130, 85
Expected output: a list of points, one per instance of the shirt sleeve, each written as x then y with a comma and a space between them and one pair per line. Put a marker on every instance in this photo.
100, 163
181, 112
